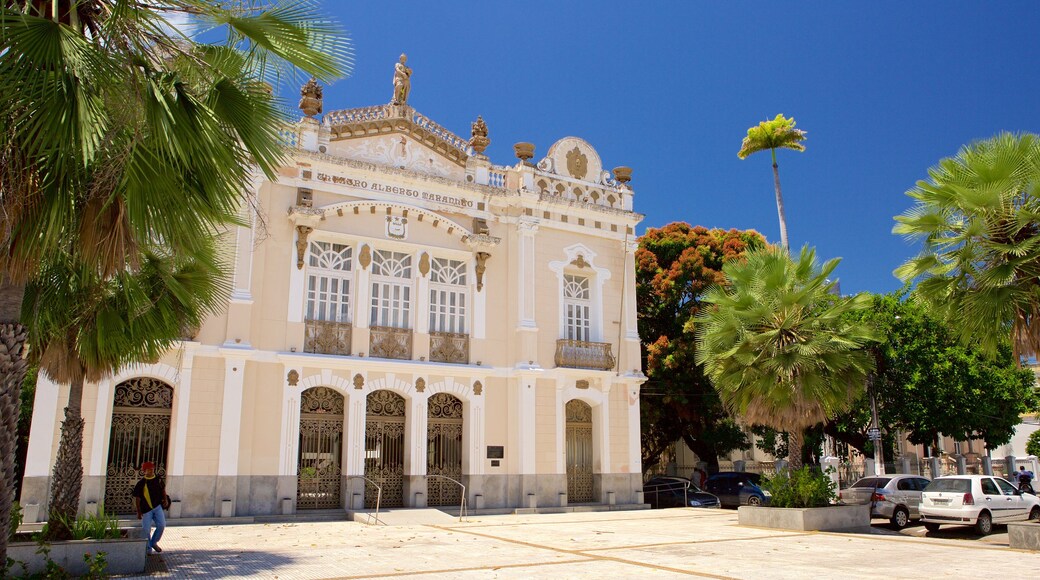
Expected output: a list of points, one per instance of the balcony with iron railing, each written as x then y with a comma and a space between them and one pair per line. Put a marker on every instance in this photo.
449, 347
579, 354
390, 342
327, 337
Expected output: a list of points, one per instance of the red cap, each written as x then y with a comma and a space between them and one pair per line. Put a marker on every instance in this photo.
147, 465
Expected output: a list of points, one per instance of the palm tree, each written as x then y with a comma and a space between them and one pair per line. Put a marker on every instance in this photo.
978, 216
777, 346
118, 129
776, 134
85, 327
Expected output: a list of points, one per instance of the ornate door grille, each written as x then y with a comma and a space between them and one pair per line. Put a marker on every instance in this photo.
384, 448
579, 451
140, 432
444, 449
318, 479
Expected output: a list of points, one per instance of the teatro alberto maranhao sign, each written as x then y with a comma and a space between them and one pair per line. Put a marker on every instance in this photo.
394, 189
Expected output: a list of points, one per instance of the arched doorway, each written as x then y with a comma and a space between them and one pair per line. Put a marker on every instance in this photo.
140, 432
318, 470
444, 449
384, 448
579, 451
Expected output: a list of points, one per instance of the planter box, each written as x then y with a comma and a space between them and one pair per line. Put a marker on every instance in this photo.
124, 556
835, 518
1024, 535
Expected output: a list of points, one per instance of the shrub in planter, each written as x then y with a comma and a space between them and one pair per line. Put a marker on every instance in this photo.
801, 488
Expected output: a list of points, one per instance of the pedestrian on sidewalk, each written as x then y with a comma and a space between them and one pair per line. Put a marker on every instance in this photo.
149, 499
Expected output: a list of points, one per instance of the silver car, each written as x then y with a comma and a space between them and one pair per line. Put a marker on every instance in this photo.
895, 497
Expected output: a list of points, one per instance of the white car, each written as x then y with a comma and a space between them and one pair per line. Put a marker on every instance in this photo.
976, 500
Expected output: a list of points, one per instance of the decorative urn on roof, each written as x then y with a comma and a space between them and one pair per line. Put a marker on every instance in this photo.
524, 152
311, 95
623, 174
479, 136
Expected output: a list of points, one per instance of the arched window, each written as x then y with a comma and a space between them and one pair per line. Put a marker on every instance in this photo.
577, 302
328, 281
391, 289
448, 296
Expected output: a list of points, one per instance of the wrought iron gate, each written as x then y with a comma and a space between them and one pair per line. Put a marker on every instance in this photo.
140, 432
444, 449
318, 479
384, 448
579, 451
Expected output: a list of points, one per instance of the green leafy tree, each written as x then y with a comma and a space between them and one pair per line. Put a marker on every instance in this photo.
928, 382
772, 135
118, 129
85, 326
778, 345
675, 264
978, 218
1033, 444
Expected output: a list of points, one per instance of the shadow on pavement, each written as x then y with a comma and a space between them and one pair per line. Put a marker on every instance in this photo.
214, 563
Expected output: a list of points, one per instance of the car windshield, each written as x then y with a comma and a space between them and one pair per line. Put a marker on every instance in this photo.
951, 484
872, 482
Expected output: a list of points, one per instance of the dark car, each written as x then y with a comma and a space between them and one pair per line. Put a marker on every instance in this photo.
668, 492
737, 488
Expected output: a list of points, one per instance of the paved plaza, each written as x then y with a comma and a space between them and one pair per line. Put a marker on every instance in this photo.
643, 544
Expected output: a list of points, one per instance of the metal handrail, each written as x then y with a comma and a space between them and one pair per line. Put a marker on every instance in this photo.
670, 486
462, 500
379, 493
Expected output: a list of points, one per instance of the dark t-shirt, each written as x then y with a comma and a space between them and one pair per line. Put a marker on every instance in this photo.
156, 491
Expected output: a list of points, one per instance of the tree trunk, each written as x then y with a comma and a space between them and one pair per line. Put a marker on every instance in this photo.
12, 373
794, 448
780, 206
68, 469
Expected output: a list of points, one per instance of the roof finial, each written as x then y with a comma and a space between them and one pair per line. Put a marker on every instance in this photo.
311, 95
479, 136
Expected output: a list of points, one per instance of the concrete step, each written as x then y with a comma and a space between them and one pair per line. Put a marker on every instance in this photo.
585, 507
403, 516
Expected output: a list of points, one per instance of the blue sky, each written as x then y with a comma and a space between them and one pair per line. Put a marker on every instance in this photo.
885, 90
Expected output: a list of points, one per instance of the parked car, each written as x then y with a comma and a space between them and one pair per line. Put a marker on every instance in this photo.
667, 492
896, 497
976, 500
737, 488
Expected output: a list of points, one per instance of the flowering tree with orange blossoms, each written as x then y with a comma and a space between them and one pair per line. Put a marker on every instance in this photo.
675, 264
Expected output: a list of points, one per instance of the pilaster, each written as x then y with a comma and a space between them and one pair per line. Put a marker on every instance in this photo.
231, 416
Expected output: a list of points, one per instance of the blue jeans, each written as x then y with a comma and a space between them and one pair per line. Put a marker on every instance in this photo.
159, 518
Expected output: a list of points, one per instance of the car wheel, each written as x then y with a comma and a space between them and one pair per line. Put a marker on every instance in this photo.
984, 525
1034, 514
754, 500
931, 527
900, 518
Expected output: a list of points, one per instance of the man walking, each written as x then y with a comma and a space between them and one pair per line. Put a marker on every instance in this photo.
149, 497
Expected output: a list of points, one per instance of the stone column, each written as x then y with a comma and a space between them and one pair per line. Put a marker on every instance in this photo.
230, 433
239, 316
354, 453
421, 304
362, 301
629, 354
415, 439
526, 280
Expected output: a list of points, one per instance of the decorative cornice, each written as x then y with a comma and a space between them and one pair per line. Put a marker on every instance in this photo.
482, 242
486, 190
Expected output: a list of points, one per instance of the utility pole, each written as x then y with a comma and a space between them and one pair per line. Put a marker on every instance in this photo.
875, 430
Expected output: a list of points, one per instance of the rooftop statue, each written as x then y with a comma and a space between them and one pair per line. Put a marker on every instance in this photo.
402, 82
310, 98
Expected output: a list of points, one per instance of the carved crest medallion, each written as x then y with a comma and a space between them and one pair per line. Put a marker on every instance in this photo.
396, 227
577, 163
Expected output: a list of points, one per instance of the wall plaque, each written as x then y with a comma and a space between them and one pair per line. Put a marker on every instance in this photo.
496, 452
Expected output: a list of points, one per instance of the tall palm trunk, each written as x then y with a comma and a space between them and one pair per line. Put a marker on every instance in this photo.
68, 468
780, 204
795, 442
12, 373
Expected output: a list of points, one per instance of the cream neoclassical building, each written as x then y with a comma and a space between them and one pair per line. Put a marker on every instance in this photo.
406, 315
